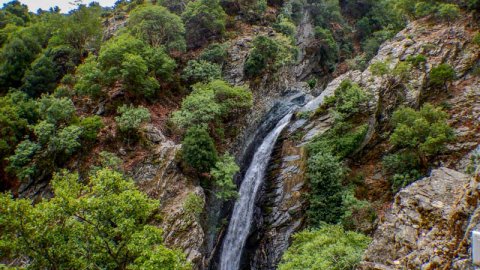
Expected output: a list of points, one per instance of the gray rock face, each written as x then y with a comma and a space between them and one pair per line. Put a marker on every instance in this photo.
159, 177
428, 225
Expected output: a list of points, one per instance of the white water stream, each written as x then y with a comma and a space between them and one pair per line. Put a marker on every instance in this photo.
241, 221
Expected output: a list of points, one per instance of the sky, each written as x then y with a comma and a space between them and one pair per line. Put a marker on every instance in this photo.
65, 6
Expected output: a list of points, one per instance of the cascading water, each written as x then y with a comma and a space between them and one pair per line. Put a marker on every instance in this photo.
242, 215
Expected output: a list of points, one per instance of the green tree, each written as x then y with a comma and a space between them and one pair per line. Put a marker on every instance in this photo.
212, 101
268, 54
448, 12
158, 27
201, 71
329, 247
13, 120
198, 149
130, 119
223, 173
204, 21
22, 163
89, 78
425, 131
325, 174
100, 225
90, 126
441, 75
215, 53
56, 110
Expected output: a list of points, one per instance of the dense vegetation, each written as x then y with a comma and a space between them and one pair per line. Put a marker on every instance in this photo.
80, 91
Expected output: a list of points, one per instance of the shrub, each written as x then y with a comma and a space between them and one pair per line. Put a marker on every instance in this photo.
90, 127
198, 149
328, 48
12, 122
193, 205
89, 78
448, 12
404, 168
130, 119
110, 161
201, 71
476, 39
348, 98
158, 27
21, 163
204, 20
330, 247
285, 26
425, 131
223, 173
56, 110
215, 53
417, 60
441, 75
109, 218
212, 101
325, 174
267, 55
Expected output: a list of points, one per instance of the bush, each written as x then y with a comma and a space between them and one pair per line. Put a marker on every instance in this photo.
204, 20
348, 99
215, 53
90, 127
441, 75
476, 39
285, 26
448, 12
198, 149
56, 110
267, 55
130, 119
21, 163
201, 71
210, 102
193, 205
109, 218
223, 173
424, 132
158, 27
328, 47
417, 60
325, 174
404, 168
329, 247
89, 78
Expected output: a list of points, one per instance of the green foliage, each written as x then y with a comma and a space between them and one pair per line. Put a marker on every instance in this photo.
444, 10
201, 71
330, 247
285, 26
198, 149
380, 68
110, 161
358, 215
268, 55
48, 69
193, 205
348, 99
476, 39
448, 12
90, 127
158, 27
328, 48
129, 60
223, 173
102, 225
404, 167
130, 119
215, 53
56, 110
204, 20
418, 60
22, 161
210, 102
325, 174
442, 74
425, 131
15, 112
89, 78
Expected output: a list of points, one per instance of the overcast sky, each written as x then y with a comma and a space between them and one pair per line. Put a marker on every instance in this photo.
34, 5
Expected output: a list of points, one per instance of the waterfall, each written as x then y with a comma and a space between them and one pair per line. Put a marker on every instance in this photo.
241, 220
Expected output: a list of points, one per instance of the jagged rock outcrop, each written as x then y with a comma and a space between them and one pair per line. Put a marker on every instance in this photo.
158, 175
428, 225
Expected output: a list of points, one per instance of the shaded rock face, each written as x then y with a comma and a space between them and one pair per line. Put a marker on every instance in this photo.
284, 204
159, 176
428, 225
